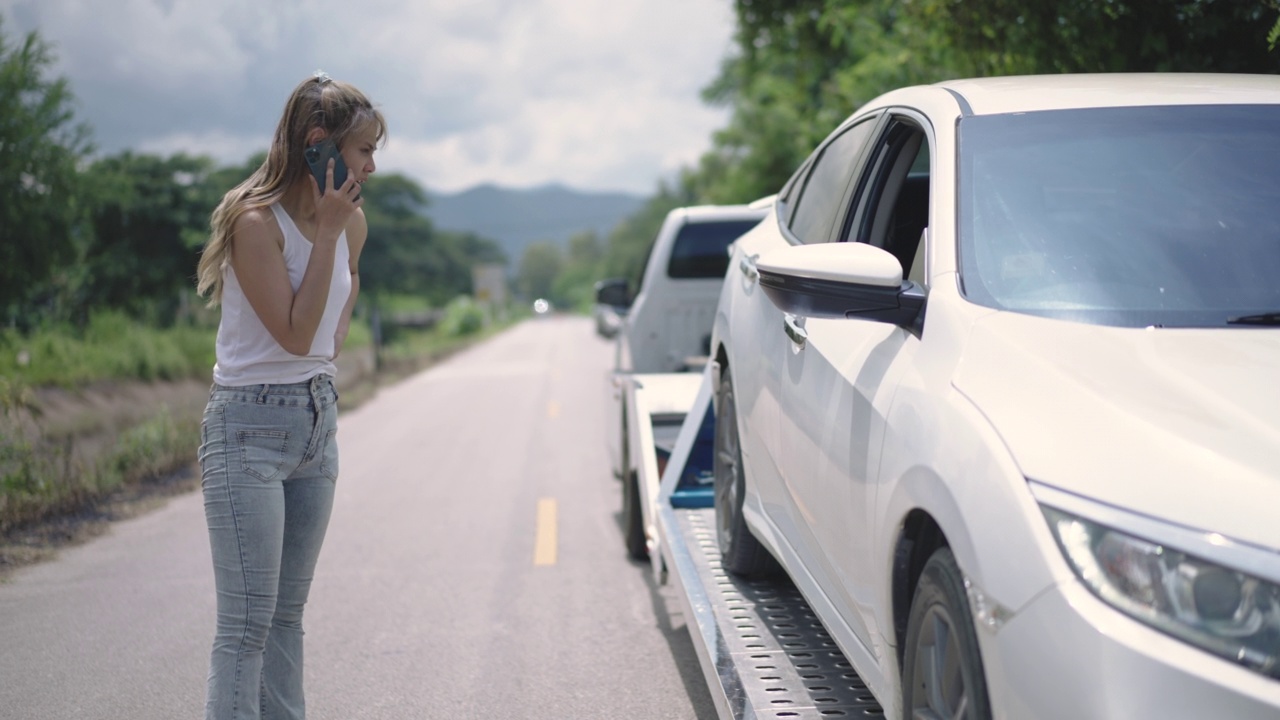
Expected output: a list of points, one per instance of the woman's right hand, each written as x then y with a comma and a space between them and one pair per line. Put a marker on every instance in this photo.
334, 206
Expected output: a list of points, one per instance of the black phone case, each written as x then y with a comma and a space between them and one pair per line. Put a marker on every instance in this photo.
317, 157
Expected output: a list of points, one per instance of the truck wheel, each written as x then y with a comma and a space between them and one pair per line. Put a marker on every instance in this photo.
740, 552
942, 673
633, 518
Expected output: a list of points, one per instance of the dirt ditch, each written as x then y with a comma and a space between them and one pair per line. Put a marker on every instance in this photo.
87, 422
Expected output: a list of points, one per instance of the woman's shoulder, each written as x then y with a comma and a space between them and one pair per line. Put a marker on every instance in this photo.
258, 223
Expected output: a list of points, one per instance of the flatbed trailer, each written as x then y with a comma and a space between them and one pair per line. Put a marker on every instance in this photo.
764, 653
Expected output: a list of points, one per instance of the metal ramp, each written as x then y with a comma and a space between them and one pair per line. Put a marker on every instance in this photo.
763, 651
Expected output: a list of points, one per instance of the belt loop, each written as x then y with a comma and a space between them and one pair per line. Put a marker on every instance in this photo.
262, 396
315, 390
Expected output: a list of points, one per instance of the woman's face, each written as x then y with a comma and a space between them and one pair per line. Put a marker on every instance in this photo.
357, 152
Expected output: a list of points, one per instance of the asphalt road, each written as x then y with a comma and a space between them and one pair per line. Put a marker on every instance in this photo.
474, 568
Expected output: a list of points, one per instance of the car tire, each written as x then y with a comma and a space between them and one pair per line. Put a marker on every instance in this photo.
633, 519
740, 552
942, 674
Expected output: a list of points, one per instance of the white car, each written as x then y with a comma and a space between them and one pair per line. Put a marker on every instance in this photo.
998, 385
668, 324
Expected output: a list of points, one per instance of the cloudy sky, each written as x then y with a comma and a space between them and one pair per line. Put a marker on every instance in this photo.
593, 94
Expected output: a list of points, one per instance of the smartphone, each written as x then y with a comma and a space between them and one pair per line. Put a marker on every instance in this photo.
317, 157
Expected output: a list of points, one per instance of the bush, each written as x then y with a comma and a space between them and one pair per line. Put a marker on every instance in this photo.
462, 316
358, 335
110, 347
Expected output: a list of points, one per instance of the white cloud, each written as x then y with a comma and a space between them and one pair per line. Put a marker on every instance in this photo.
590, 93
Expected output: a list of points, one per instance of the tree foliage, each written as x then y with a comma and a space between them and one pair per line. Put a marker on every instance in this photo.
539, 267
147, 218
405, 253
40, 206
583, 261
801, 66
999, 37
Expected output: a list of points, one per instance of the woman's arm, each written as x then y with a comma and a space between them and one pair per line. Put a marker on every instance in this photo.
357, 233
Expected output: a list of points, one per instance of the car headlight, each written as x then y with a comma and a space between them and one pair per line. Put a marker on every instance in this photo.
1226, 612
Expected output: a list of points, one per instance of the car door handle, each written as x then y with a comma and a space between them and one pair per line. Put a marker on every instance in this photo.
748, 266
795, 329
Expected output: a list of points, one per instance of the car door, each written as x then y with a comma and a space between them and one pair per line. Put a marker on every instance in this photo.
840, 376
755, 378
809, 215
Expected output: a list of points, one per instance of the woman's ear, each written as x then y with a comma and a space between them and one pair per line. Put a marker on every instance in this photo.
315, 135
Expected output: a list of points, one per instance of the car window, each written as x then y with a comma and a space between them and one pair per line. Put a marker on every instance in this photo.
790, 191
1133, 216
701, 249
891, 206
820, 199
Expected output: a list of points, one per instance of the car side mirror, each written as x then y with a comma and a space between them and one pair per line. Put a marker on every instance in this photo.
840, 280
613, 292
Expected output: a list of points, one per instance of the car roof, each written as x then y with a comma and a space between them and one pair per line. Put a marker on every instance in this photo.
707, 213
1029, 93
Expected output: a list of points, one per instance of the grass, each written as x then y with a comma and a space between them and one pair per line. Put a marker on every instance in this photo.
114, 347
40, 480
464, 323
110, 347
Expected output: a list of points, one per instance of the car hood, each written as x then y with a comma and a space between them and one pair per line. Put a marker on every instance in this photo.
1177, 424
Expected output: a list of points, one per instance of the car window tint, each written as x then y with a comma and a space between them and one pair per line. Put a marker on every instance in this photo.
893, 201
702, 249
820, 200
791, 190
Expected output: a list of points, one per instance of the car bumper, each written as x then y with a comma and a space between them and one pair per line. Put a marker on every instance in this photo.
1069, 655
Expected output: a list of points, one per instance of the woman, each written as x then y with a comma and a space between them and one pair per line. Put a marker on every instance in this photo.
281, 259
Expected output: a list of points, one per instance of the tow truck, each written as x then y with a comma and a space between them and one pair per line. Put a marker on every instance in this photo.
763, 652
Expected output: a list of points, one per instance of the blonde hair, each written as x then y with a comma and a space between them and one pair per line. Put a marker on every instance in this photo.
336, 107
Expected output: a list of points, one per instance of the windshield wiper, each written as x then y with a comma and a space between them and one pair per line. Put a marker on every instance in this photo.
1271, 318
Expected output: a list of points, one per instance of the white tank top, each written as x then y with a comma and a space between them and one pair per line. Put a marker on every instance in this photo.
246, 352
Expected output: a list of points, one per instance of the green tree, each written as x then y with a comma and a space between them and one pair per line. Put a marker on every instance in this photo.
574, 286
406, 254
800, 67
996, 37
539, 267
40, 207
150, 217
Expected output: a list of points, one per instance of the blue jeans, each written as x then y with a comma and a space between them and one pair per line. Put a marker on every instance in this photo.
268, 460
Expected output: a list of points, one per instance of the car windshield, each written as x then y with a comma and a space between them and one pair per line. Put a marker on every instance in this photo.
1142, 216
702, 248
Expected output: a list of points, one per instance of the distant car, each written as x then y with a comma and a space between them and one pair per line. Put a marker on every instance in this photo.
998, 387
667, 327
612, 302
668, 322
541, 306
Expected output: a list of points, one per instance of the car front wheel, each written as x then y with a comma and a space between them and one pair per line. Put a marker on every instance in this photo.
942, 676
740, 552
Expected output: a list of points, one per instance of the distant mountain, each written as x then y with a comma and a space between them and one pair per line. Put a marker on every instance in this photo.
517, 218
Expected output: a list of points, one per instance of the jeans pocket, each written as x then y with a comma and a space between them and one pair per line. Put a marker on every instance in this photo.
262, 452
329, 459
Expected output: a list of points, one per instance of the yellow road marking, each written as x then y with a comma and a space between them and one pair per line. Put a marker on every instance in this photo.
544, 548
553, 410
